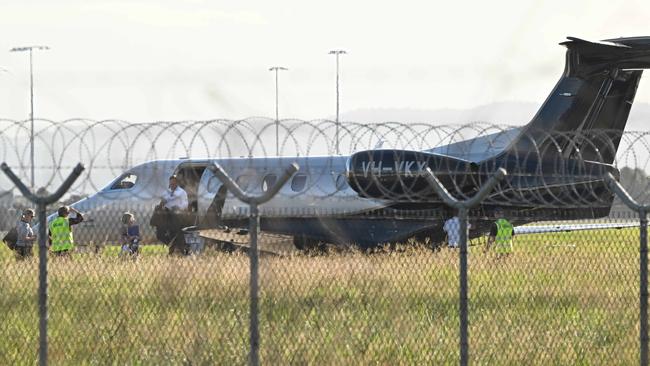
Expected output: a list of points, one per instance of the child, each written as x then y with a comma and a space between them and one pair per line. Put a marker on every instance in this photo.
130, 235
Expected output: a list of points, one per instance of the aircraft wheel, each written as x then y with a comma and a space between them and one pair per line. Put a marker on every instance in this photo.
309, 245
428, 241
220, 245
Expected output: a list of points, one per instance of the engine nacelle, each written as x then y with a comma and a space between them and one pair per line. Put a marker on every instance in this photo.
398, 175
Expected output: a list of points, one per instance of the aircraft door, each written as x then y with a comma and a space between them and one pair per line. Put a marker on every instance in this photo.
211, 198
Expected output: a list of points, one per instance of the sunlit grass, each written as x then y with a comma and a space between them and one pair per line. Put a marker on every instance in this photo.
560, 298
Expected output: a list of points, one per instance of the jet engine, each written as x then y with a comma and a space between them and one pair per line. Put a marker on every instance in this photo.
398, 175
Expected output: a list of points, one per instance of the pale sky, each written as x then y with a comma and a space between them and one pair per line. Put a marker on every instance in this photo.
181, 60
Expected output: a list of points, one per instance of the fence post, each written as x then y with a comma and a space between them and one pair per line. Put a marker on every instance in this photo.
254, 227
463, 208
42, 203
642, 210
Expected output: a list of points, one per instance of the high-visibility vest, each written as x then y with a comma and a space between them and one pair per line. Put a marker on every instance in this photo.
503, 240
61, 234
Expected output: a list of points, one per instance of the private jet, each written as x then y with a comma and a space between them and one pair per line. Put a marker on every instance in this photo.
555, 166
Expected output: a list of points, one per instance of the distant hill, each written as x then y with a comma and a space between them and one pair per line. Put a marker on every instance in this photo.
507, 113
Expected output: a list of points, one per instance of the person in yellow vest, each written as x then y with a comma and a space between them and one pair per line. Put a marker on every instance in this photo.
501, 235
60, 233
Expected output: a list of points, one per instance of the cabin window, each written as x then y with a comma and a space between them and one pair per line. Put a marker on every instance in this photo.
298, 183
269, 181
126, 181
243, 181
340, 182
213, 184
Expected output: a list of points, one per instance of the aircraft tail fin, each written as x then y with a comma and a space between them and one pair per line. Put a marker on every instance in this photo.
594, 94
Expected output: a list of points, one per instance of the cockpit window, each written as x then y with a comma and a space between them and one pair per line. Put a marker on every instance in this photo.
125, 182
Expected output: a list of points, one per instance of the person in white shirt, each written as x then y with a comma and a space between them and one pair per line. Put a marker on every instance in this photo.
175, 197
452, 228
175, 204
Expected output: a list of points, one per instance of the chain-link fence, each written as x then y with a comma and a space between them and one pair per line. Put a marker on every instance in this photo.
360, 257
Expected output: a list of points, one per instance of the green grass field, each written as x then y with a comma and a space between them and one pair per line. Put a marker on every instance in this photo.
566, 298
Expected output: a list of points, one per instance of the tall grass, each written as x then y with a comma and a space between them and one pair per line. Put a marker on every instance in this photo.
560, 298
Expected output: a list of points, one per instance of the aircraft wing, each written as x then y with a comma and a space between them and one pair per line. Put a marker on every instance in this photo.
567, 227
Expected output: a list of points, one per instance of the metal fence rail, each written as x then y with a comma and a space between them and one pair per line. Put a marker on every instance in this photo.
643, 262
42, 203
253, 287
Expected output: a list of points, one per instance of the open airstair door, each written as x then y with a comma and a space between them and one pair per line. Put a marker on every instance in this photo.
189, 175
211, 197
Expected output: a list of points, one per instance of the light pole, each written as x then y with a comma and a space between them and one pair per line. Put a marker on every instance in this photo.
31, 94
337, 53
277, 119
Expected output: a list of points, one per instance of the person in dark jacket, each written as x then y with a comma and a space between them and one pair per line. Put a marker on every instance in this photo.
25, 235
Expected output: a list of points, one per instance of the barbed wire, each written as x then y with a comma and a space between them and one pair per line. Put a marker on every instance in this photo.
567, 165
376, 191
